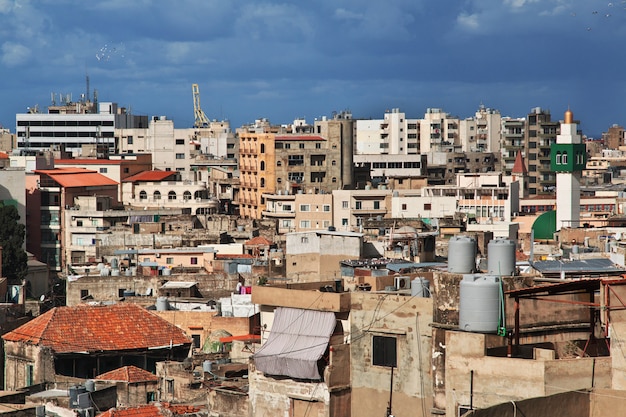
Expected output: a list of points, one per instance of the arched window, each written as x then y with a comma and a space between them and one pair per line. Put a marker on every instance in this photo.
278, 163
262, 165
198, 194
187, 196
262, 182
262, 148
143, 195
334, 179
171, 195
334, 163
558, 158
156, 195
279, 180
564, 158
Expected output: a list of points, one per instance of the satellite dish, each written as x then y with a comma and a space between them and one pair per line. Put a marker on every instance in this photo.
42, 298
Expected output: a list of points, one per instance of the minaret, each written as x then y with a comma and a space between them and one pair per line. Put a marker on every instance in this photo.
567, 158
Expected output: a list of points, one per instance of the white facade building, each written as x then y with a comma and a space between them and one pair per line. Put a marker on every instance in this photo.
393, 135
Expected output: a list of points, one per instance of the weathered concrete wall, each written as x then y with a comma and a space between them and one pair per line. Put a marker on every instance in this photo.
108, 288
228, 402
276, 397
407, 319
132, 395
17, 356
500, 379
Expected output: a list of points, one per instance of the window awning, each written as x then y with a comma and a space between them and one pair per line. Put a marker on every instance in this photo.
297, 340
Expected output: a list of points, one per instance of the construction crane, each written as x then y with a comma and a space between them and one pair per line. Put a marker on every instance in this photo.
200, 118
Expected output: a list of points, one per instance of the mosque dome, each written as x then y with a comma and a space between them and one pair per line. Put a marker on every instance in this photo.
569, 117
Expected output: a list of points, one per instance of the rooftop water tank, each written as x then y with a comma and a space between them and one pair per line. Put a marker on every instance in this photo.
501, 257
479, 307
207, 366
114, 263
90, 385
162, 304
420, 287
75, 390
461, 255
166, 271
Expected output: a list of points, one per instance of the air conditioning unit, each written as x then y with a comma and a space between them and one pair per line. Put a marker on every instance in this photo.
402, 283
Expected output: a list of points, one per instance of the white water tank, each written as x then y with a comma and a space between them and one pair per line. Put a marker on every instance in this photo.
162, 304
501, 257
461, 255
420, 287
479, 306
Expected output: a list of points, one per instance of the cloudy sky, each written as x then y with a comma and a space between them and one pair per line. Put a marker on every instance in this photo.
287, 59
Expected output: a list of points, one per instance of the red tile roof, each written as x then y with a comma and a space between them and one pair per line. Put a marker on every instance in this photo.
77, 177
258, 240
86, 328
151, 410
4, 155
130, 374
151, 176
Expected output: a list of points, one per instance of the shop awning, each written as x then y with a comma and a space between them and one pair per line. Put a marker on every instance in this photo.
298, 339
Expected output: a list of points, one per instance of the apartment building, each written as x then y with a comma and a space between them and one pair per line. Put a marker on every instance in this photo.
352, 207
316, 159
615, 137
540, 134
71, 126
481, 133
393, 135
512, 135
438, 131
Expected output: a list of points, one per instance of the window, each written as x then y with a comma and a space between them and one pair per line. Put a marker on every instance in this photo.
186, 196
344, 222
318, 146
262, 182
79, 223
344, 204
180, 156
305, 224
427, 206
169, 386
305, 207
84, 294
169, 261
156, 195
196, 340
129, 140
358, 205
404, 207
376, 205
262, 148
384, 351
301, 145
558, 158
326, 207
103, 170
180, 141
564, 158
150, 397
304, 239
171, 195
286, 207
29, 375
194, 260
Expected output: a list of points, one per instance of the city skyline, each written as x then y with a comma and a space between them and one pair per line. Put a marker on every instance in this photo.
288, 60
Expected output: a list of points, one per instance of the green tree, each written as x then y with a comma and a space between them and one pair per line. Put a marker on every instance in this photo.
14, 258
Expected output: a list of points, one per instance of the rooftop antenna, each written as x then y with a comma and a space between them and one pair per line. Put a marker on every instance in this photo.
53, 99
87, 82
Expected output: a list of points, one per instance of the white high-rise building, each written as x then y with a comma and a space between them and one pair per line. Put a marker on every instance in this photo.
393, 135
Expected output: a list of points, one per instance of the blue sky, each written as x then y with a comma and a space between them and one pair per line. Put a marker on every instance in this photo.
288, 59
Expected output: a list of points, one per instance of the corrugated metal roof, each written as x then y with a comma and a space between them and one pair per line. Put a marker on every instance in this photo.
595, 265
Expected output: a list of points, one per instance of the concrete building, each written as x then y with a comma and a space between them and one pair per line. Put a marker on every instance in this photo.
392, 135
71, 125
311, 256
541, 132
352, 207
513, 143
615, 137
54, 194
438, 131
165, 190
482, 132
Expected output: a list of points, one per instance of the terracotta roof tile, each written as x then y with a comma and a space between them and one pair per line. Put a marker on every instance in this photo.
151, 410
258, 240
87, 328
130, 374
77, 177
151, 176
518, 166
